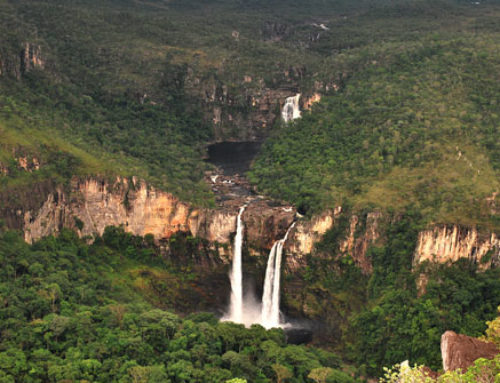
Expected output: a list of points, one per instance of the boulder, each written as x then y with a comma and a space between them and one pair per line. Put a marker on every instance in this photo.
460, 351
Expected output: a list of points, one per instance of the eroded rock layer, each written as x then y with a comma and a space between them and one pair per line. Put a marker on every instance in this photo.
91, 205
444, 244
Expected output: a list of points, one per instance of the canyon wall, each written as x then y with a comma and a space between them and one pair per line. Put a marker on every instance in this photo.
248, 108
89, 205
444, 244
355, 241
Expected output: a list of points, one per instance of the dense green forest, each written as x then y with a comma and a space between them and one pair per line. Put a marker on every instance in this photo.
388, 316
70, 311
415, 116
409, 126
417, 127
76, 312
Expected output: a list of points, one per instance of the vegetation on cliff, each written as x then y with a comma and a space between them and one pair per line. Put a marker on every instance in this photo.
410, 125
418, 126
399, 311
483, 370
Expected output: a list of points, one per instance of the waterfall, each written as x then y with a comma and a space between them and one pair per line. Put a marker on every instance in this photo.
291, 109
271, 295
236, 276
244, 308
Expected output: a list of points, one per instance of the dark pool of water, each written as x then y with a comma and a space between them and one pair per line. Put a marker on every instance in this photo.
233, 157
298, 335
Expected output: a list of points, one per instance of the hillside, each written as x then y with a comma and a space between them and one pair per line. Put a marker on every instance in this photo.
417, 127
383, 198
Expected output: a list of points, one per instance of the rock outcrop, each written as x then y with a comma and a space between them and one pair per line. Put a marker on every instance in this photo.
91, 205
460, 351
357, 245
305, 235
354, 242
31, 57
242, 116
98, 203
16, 63
444, 244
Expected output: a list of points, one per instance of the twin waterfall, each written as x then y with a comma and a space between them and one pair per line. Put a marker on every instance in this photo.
242, 309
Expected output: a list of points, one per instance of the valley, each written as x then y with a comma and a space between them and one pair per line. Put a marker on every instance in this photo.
263, 191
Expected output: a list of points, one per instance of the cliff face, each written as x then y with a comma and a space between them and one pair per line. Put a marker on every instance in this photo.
98, 204
27, 58
360, 239
91, 205
450, 243
354, 242
88, 206
242, 115
246, 109
305, 235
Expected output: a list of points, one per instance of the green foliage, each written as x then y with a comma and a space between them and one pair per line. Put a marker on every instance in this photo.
68, 312
482, 370
397, 311
414, 125
493, 330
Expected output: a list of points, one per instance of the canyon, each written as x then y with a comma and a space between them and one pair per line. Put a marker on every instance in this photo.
92, 204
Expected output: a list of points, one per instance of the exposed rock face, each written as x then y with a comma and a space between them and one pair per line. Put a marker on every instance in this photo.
308, 102
356, 241
241, 116
305, 235
357, 246
264, 225
31, 57
16, 63
97, 204
448, 244
144, 210
243, 108
460, 351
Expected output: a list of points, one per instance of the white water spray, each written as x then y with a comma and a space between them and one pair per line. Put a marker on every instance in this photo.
236, 277
291, 109
271, 297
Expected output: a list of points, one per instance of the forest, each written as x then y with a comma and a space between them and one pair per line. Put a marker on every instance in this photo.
407, 126
70, 311
73, 312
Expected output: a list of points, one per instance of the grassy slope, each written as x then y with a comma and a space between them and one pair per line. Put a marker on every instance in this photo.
416, 124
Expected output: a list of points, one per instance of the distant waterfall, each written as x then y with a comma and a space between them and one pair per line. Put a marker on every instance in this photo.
236, 277
291, 109
271, 296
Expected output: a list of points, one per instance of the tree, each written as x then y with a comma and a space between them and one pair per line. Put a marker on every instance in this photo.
493, 330
282, 373
319, 375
